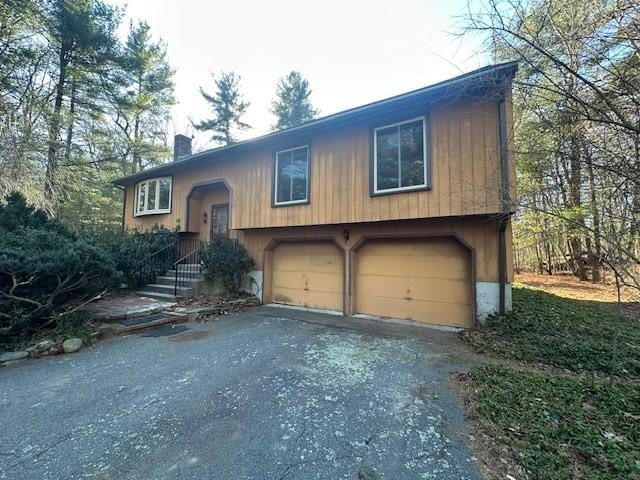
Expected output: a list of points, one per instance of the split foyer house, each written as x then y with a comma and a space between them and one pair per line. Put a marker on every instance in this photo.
400, 208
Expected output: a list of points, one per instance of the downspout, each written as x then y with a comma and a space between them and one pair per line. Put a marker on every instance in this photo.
505, 203
124, 204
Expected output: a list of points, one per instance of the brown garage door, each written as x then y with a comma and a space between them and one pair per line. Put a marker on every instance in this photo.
308, 274
427, 280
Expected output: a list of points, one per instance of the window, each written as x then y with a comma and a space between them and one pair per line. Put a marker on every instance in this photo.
400, 156
153, 196
292, 176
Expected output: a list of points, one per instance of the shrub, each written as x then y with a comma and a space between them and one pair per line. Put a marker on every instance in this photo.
46, 271
128, 249
226, 260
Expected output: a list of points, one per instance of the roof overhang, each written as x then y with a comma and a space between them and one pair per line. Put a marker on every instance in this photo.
492, 78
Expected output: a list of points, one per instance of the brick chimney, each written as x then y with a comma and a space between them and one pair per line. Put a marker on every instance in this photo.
181, 147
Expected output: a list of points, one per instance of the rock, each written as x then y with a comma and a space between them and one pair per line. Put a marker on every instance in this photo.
41, 348
72, 345
44, 345
11, 356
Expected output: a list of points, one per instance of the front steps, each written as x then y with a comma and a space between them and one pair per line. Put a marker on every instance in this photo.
164, 286
127, 326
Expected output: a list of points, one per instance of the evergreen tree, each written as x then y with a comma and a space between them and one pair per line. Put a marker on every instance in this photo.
82, 38
292, 105
142, 98
228, 109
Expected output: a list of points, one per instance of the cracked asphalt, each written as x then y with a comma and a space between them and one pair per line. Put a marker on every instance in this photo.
266, 394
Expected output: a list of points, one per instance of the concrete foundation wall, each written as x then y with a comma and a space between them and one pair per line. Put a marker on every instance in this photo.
253, 283
488, 299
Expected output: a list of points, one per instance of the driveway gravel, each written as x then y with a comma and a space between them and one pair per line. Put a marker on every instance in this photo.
265, 394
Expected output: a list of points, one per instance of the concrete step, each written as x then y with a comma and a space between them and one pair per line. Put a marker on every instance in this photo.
169, 289
125, 327
160, 296
171, 280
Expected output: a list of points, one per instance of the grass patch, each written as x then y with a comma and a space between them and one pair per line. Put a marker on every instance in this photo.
573, 334
560, 428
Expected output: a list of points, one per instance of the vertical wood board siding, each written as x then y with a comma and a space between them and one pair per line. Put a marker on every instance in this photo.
465, 174
481, 233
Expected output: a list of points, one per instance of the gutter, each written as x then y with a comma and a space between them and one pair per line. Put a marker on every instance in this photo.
505, 216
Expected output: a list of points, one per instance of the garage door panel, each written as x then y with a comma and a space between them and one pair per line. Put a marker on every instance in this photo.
290, 263
308, 274
435, 248
287, 279
384, 247
325, 263
427, 280
306, 248
437, 267
384, 265
324, 300
384, 306
438, 290
455, 314
323, 282
309, 299
378, 285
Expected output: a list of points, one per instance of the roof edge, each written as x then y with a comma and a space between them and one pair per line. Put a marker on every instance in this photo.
506, 68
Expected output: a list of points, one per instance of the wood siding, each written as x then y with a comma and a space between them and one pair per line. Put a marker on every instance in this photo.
480, 233
465, 172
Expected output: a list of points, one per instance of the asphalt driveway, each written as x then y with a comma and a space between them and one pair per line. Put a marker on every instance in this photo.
259, 395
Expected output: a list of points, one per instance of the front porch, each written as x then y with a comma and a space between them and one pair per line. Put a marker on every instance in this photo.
208, 208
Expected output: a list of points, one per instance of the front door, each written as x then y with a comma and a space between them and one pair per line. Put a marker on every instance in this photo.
219, 220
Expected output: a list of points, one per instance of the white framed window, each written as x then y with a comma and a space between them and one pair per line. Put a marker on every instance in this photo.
400, 156
153, 196
291, 178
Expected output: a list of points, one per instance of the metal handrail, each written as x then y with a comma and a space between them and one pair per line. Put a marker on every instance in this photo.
155, 263
181, 276
187, 255
153, 254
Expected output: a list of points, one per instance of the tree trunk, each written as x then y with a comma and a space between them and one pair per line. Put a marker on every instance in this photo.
72, 111
137, 158
54, 133
547, 249
575, 183
596, 252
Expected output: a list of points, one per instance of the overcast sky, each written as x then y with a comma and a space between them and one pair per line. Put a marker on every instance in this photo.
351, 51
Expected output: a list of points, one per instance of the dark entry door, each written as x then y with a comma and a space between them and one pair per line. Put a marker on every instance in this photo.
219, 220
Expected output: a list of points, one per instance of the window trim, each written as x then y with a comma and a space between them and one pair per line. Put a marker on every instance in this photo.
155, 211
373, 164
274, 196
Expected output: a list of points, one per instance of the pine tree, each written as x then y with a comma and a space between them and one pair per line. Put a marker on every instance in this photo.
142, 98
82, 37
228, 109
292, 105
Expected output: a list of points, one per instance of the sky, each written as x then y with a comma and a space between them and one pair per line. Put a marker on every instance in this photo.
352, 51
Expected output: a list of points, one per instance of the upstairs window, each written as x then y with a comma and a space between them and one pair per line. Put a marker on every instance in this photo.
400, 156
153, 196
291, 176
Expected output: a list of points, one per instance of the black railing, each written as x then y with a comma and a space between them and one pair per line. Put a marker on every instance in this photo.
188, 265
154, 264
